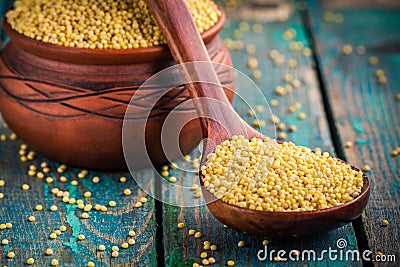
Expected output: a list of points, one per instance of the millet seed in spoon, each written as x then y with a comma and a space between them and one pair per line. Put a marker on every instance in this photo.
268, 176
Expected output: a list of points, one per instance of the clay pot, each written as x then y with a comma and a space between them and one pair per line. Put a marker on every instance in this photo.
69, 103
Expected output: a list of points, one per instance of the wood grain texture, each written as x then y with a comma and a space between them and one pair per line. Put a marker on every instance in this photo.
31, 239
182, 249
365, 111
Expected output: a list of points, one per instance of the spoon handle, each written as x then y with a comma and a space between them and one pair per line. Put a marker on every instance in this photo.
186, 45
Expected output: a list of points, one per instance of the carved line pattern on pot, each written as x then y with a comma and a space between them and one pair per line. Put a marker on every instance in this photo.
113, 101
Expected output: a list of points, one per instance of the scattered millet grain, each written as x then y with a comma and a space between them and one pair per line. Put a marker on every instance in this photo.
90, 264
63, 228
39, 207
274, 103
265, 242
373, 60
49, 251
131, 241
213, 247
81, 237
53, 236
241, 244
274, 119
174, 166
307, 52
273, 53
198, 193
132, 233
4, 241
282, 135
57, 232
1, 195
348, 144
53, 208
347, 49
54, 262
203, 255
181, 225
302, 116
366, 168
13, 136
102, 248
103, 208
112, 203
281, 126
205, 262
85, 215
30, 261
259, 123
279, 90
25, 187
172, 179
115, 254
127, 192
257, 27
88, 207
230, 263
95, 180
385, 223
87, 194
2, 183
124, 245
138, 204
11, 254
252, 63
197, 235
292, 63
122, 179
191, 232
259, 108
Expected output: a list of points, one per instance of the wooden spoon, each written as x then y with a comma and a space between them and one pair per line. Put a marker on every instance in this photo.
220, 122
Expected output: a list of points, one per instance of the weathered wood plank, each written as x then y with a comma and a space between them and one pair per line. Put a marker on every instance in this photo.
31, 239
182, 249
365, 111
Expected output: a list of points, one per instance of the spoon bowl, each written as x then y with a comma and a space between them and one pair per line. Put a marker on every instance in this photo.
220, 122
287, 224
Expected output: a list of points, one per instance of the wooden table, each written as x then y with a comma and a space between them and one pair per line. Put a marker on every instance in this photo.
344, 102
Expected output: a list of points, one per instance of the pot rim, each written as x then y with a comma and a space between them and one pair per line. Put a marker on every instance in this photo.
100, 56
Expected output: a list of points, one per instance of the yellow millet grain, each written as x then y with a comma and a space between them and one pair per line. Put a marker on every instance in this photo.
264, 175
107, 24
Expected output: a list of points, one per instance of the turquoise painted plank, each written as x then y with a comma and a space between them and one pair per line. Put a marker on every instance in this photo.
365, 111
31, 239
